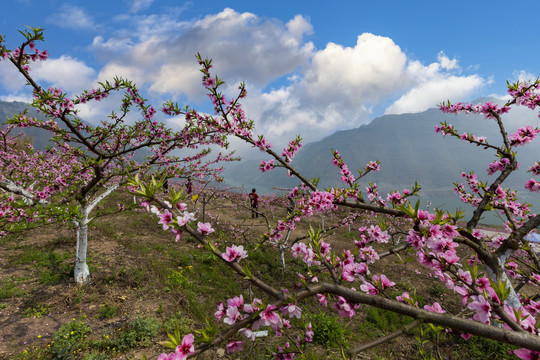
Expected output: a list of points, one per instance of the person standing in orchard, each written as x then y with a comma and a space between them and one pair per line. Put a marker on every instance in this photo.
254, 201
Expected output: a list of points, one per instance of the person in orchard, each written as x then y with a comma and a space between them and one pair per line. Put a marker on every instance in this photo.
254, 201
189, 186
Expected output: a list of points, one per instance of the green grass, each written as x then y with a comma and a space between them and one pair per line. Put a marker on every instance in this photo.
37, 311
76, 340
328, 329
11, 287
178, 320
107, 311
51, 264
379, 322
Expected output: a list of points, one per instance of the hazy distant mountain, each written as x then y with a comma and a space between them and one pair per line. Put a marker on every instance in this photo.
408, 149
406, 145
40, 138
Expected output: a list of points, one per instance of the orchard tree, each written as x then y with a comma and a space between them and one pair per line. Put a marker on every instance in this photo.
21, 196
87, 163
490, 279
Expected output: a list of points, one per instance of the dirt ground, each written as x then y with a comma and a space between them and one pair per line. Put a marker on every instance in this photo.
39, 309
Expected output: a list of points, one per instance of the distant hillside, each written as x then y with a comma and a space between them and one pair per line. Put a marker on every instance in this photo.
40, 138
408, 149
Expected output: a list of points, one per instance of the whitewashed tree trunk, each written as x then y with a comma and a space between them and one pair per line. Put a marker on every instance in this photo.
513, 299
81, 272
282, 247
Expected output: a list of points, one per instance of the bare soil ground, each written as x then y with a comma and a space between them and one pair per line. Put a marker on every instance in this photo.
126, 251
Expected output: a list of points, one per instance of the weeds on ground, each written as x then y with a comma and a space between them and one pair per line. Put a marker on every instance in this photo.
74, 341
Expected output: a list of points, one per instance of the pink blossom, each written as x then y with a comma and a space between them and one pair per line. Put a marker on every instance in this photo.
522, 317
233, 346
234, 252
171, 356
232, 315
343, 308
183, 220
266, 166
237, 301
523, 136
535, 169
527, 354
368, 288
186, 347
248, 332
435, 308
292, 310
406, 299
270, 317
165, 218
181, 206
385, 283
482, 308
533, 185
205, 228
309, 333
178, 233
220, 311
322, 299
377, 234
465, 276
477, 234
373, 166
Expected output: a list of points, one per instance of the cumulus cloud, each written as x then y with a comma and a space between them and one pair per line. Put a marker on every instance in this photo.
242, 45
10, 79
21, 98
65, 72
72, 17
523, 75
430, 93
342, 85
138, 5
447, 63
429, 85
293, 87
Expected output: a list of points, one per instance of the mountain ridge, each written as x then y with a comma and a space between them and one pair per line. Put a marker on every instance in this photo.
409, 150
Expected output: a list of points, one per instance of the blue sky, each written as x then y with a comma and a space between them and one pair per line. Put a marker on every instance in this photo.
312, 67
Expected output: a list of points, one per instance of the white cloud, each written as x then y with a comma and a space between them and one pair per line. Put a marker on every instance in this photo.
10, 78
523, 75
429, 85
430, 93
73, 17
70, 74
293, 88
368, 72
447, 63
20, 98
243, 47
138, 5
67, 73
299, 26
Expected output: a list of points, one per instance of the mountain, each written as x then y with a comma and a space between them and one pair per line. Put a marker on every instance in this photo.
39, 137
409, 150
406, 145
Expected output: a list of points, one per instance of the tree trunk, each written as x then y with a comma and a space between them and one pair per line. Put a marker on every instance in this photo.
513, 298
81, 271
